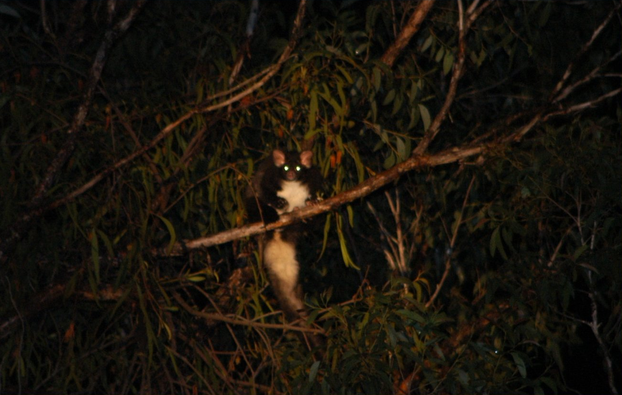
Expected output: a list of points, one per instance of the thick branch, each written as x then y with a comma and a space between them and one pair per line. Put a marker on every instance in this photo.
361, 190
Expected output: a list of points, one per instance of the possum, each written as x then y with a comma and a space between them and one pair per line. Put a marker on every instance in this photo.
284, 182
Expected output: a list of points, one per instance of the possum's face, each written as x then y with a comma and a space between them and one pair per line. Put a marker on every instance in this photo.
291, 172
292, 164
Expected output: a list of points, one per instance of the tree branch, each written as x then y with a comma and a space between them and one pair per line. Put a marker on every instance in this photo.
581, 52
583, 106
238, 320
458, 69
36, 210
51, 174
267, 74
412, 27
361, 190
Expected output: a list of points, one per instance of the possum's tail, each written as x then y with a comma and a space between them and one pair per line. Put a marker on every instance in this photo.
280, 258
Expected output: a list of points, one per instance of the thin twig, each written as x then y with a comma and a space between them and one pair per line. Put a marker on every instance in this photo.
581, 52
237, 320
451, 246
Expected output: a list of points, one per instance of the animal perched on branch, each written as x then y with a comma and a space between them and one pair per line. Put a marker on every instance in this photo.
284, 182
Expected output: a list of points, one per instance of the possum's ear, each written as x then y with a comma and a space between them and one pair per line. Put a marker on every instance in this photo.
306, 158
278, 157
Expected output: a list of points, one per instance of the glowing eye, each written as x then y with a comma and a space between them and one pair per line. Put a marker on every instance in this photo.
286, 168
298, 168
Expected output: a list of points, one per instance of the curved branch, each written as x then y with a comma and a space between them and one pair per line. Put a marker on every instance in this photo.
39, 303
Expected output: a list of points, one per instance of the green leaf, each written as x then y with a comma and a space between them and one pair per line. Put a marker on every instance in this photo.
360, 169
107, 243
196, 279
390, 161
439, 54
401, 148
313, 371
425, 116
427, 43
448, 62
171, 231
6, 10
397, 104
326, 233
544, 15
413, 92
346, 74
377, 79
342, 243
520, 364
350, 214
414, 118
411, 315
313, 110
496, 244
333, 103
374, 111
389, 97
549, 383
589, 267
579, 251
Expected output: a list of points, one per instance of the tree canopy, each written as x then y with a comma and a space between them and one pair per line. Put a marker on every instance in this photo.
469, 239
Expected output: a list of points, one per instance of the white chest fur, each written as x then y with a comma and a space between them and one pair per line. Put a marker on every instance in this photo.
295, 193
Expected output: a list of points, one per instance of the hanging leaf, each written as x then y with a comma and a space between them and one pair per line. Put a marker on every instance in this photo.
313, 107
425, 116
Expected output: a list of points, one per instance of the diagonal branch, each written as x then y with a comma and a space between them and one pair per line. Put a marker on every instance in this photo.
51, 174
430, 134
412, 27
581, 52
365, 188
542, 115
585, 105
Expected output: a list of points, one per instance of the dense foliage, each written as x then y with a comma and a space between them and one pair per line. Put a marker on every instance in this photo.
492, 266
